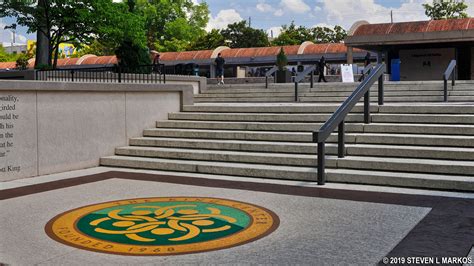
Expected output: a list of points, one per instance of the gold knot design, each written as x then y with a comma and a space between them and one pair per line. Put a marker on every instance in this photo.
163, 221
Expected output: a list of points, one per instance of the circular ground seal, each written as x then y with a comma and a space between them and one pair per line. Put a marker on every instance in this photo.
162, 226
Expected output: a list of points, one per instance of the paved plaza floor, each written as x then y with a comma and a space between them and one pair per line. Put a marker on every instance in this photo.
336, 224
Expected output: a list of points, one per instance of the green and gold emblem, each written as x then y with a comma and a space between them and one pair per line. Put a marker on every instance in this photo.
162, 226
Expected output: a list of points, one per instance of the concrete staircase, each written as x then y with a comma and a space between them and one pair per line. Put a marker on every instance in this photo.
424, 91
423, 145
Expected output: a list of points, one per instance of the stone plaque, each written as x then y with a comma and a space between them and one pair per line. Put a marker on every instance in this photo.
18, 147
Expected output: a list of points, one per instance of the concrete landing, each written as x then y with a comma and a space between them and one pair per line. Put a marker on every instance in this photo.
332, 225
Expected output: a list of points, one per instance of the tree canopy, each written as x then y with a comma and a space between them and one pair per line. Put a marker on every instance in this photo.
77, 22
239, 35
172, 25
446, 9
209, 41
294, 35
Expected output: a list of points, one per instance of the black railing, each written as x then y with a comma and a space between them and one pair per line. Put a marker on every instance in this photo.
337, 119
450, 72
139, 74
301, 75
269, 73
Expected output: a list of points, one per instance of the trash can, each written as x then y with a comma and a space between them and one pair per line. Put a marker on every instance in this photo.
395, 75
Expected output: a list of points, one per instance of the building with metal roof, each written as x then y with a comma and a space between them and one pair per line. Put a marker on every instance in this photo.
236, 59
423, 48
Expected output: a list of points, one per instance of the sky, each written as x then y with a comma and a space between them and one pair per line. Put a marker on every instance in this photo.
269, 15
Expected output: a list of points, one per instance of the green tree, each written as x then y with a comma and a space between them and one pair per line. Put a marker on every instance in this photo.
328, 35
77, 22
132, 57
293, 35
239, 35
210, 41
172, 25
446, 9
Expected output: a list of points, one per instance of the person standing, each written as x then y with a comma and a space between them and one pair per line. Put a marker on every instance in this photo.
366, 63
321, 65
156, 63
220, 61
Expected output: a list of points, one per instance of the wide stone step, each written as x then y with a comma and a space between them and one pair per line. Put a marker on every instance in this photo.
420, 152
315, 93
438, 108
374, 99
392, 93
449, 182
429, 129
423, 118
426, 129
255, 117
234, 145
440, 155
277, 108
237, 135
245, 100
408, 165
401, 179
250, 126
224, 156
206, 167
415, 140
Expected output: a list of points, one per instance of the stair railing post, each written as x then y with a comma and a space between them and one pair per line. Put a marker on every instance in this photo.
454, 77
341, 140
445, 99
296, 91
367, 107
119, 74
312, 79
321, 163
266, 82
380, 92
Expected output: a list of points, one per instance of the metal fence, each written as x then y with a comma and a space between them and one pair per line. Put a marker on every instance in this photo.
113, 74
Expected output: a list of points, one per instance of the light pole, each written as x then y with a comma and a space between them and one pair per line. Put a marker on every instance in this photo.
12, 27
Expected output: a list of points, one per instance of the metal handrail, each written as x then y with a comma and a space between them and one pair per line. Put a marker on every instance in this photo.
450, 72
367, 69
95, 73
301, 76
268, 74
338, 117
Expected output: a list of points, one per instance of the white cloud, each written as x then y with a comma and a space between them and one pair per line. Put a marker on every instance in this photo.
296, 6
279, 13
345, 13
275, 30
264, 7
323, 25
223, 18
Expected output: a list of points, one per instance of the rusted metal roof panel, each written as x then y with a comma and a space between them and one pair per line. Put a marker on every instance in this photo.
186, 55
90, 61
104, 60
169, 56
5, 65
406, 27
203, 54
415, 27
448, 25
373, 29
316, 48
